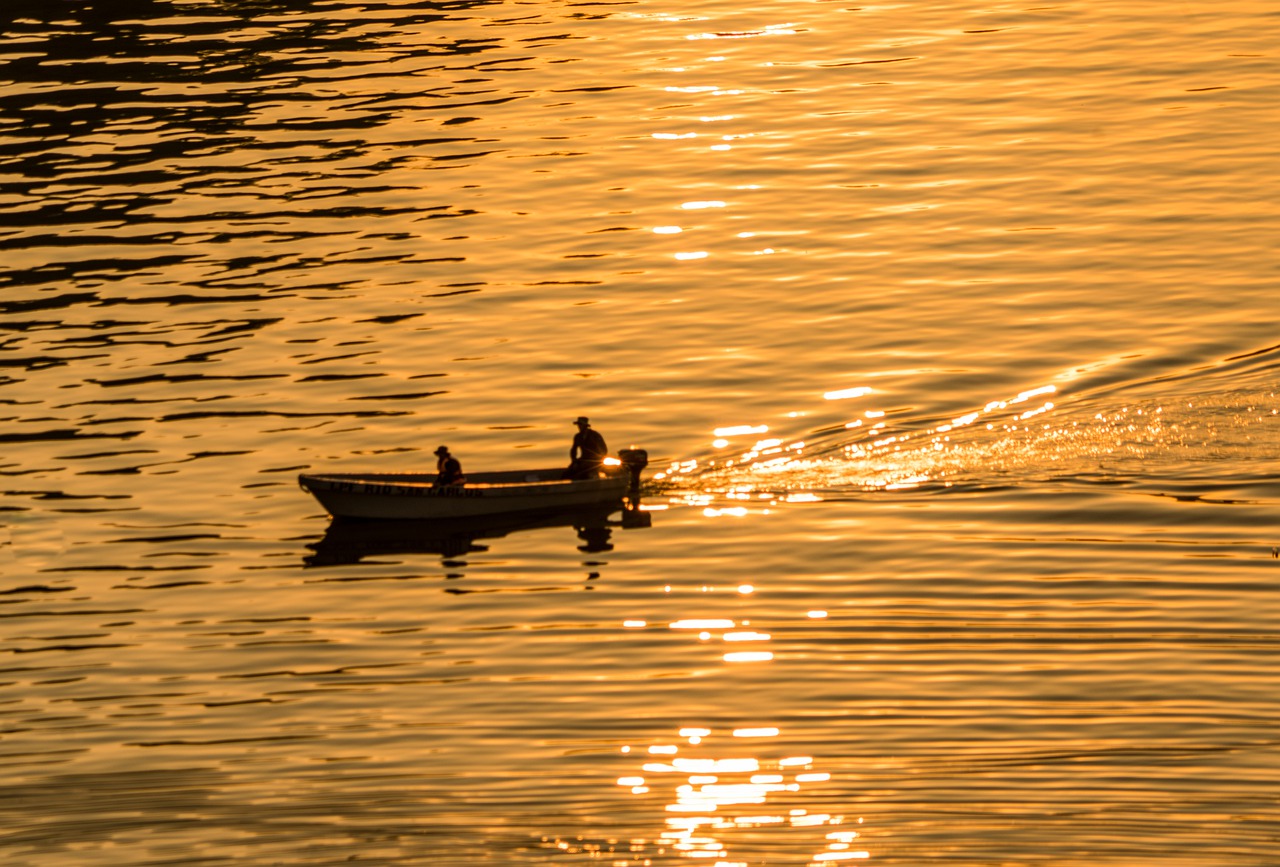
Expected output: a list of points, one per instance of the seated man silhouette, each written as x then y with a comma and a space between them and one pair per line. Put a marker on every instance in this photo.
448, 470
587, 454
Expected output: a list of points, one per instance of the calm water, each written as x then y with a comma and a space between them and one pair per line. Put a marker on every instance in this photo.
951, 330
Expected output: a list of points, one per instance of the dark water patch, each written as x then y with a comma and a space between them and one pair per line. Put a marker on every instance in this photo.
248, 325
171, 379
358, 579
28, 241
58, 325
53, 302
62, 495
329, 358
262, 413
35, 588
63, 434
69, 648
137, 468
465, 212
287, 642
167, 585
403, 396
98, 270
177, 537
123, 568
431, 261
96, 300
337, 377
262, 739
180, 526
274, 51
117, 471
243, 702
343, 212
1272, 353
116, 698
174, 300
286, 619
97, 341
27, 472
269, 235
846, 63
71, 612
44, 362
390, 318
462, 591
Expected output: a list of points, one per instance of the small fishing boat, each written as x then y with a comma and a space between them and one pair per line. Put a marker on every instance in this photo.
414, 495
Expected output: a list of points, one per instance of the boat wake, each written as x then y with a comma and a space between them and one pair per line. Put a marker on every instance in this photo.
1216, 427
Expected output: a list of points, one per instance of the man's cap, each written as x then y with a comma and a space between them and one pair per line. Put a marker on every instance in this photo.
582, 419
443, 450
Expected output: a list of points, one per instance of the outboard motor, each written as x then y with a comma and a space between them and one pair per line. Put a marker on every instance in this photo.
635, 460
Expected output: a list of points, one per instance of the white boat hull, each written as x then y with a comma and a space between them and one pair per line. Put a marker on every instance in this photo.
401, 495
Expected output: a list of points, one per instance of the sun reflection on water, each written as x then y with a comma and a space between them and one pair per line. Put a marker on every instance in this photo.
720, 789
730, 795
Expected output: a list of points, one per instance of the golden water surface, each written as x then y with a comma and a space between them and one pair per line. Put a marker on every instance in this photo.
950, 330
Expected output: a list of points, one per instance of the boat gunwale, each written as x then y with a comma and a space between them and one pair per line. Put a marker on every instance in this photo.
426, 481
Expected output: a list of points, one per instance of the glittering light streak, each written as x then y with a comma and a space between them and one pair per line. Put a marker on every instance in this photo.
741, 430
846, 393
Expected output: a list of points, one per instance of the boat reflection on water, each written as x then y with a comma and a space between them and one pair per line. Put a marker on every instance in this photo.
350, 541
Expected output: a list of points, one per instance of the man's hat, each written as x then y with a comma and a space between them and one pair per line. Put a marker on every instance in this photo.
443, 450
582, 419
